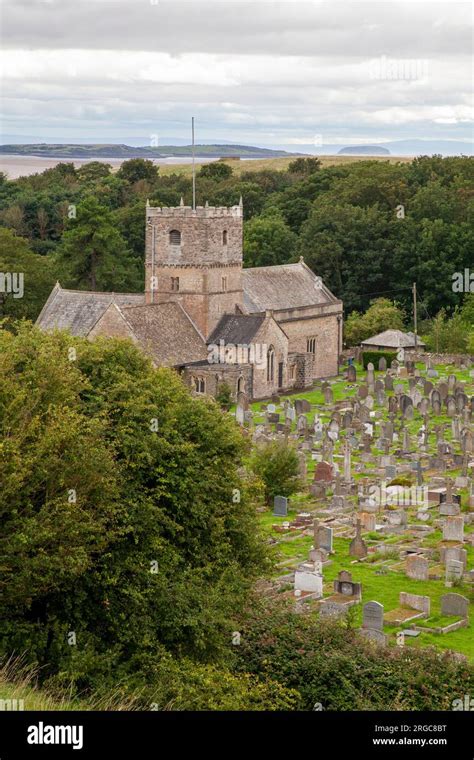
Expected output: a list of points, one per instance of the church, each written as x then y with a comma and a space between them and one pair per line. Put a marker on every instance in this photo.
259, 331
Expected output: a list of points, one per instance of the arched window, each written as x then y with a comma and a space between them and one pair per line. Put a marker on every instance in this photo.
270, 364
311, 345
224, 237
175, 237
199, 385
240, 385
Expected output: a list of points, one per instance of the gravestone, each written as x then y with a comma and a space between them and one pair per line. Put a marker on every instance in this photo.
280, 506
324, 472
346, 586
454, 570
453, 529
416, 602
358, 547
351, 373
454, 604
417, 567
372, 616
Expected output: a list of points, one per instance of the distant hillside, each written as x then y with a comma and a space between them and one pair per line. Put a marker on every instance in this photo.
364, 150
65, 150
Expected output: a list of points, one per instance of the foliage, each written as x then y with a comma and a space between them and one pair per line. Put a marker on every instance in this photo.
216, 170
450, 334
224, 395
381, 315
138, 169
375, 356
302, 165
93, 254
276, 464
38, 277
268, 240
117, 509
330, 665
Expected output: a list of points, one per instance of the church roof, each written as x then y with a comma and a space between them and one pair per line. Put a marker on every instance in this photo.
238, 329
286, 286
393, 339
79, 310
166, 333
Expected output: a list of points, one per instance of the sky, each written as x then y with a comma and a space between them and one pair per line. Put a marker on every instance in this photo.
261, 73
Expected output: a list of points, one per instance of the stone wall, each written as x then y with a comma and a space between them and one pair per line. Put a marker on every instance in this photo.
215, 375
326, 329
112, 325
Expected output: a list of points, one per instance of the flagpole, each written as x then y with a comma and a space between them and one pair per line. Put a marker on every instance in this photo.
194, 168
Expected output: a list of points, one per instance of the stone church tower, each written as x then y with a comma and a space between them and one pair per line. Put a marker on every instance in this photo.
194, 256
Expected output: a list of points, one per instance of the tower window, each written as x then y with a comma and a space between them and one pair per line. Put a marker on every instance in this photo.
175, 237
224, 237
224, 283
311, 345
175, 283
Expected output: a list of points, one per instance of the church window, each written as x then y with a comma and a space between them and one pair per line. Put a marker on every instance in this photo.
240, 385
175, 283
224, 237
199, 385
311, 345
175, 237
224, 283
270, 364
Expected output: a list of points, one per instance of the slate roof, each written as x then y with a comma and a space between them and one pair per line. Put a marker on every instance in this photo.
286, 286
238, 329
393, 339
79, 310
166, 333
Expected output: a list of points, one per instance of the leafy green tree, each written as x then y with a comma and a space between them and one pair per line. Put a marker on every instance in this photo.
37, 274
216, 170
381, 315
118, 508
268, 240
303, 166
94, 254
93, 171
449, 334
136, 169
276, 464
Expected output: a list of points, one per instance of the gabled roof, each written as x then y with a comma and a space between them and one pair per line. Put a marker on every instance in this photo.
393, 339
238, 329
79, 310
286, 286
166, 332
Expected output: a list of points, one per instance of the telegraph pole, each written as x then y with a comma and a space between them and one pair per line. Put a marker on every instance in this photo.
415, 318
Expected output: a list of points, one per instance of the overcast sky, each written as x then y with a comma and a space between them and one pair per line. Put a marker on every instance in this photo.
260, 73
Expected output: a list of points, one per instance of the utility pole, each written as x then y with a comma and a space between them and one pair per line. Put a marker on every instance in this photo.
415, 318
194, 167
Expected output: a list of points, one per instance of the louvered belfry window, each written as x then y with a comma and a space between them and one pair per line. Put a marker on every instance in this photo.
175, 237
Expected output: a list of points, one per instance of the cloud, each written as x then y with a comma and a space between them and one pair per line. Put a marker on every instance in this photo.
262, 72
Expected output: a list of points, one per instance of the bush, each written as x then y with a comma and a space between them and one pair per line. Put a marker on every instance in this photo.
277, 465
375, 356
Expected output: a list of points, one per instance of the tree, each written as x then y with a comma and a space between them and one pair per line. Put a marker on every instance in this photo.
138, 168
93, 171
276, 464
93, 253
381, 315
216, 170
268, 240
119, 517
303, 166
449, 334
37, 273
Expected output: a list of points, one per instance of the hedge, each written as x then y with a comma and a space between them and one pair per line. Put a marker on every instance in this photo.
375, 356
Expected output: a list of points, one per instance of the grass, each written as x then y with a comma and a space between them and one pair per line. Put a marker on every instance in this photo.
293, 547
279, 164
19, 682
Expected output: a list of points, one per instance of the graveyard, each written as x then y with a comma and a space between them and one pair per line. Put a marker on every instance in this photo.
381, 531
